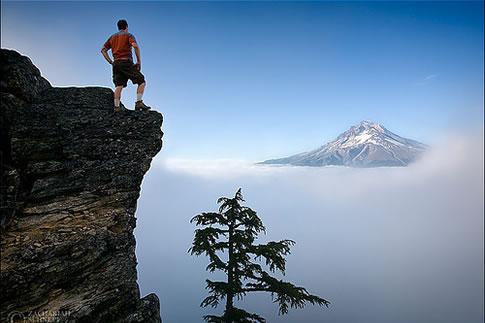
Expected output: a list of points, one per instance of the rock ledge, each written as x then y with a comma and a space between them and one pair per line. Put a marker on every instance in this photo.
71, 175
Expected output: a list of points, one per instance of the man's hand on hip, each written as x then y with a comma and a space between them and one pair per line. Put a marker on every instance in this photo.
138, 66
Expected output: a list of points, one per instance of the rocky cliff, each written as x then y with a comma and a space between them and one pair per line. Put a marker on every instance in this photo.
71, 175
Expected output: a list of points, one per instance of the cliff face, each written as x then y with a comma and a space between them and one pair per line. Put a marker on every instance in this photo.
71, 175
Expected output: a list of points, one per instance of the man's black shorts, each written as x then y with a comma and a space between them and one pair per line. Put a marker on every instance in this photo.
124, 70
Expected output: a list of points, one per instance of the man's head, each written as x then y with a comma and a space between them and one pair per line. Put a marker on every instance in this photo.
122, 24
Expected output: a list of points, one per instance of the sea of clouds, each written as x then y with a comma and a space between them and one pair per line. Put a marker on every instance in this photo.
382, 244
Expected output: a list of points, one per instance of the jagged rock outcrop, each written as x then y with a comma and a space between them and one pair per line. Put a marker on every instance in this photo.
71, 175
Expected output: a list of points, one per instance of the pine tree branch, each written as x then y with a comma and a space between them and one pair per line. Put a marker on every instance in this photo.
250, 220
241, 316
205, 243
217, 291
273, 252
214, 319
208, 218
284, 293
235, 315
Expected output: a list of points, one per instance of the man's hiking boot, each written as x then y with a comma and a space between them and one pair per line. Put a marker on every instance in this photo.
120, 108
140, 106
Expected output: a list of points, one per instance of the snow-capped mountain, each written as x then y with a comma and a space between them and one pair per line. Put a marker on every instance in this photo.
367, 144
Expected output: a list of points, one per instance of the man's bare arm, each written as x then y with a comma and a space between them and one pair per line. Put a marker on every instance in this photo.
137, 53
106, 56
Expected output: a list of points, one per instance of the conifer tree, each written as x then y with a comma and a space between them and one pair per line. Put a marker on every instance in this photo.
232, 231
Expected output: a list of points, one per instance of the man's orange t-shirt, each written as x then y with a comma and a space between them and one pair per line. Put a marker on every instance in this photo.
120, 44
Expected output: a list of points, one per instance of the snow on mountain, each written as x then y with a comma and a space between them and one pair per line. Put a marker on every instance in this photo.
367, 144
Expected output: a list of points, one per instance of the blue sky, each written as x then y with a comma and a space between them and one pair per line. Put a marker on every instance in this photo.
250, 80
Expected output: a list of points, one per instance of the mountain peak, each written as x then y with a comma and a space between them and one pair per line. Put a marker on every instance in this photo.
367, 124
367, 144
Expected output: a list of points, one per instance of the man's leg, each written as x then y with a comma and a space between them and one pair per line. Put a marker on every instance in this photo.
139, 91
117, 99
139, 105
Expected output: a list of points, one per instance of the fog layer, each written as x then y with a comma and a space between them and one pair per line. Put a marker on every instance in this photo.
382, 244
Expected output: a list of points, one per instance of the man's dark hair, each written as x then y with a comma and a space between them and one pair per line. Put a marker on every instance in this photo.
122, 24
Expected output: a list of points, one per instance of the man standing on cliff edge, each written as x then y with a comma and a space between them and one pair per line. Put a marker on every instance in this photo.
123, 67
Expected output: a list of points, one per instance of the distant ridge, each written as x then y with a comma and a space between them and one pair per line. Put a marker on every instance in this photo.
367, 144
